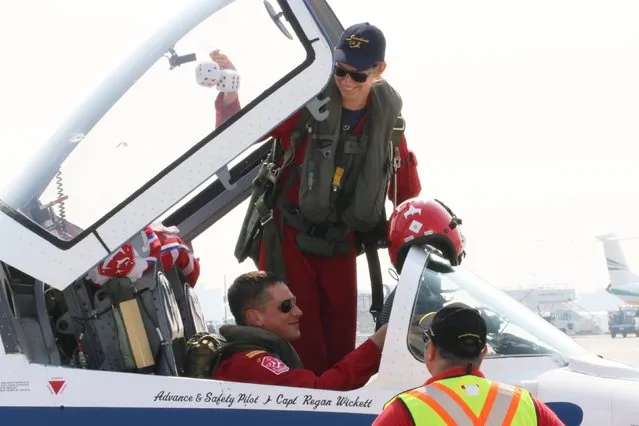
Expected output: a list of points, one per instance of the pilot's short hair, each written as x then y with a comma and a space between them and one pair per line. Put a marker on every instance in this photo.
249, 290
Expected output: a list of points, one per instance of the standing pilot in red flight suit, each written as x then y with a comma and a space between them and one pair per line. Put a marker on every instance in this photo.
311, 226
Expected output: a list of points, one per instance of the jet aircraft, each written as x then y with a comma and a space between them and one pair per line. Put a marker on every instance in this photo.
623, 282
69, 352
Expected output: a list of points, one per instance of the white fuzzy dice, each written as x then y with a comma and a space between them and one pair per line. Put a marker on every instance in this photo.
229, 81
208, 74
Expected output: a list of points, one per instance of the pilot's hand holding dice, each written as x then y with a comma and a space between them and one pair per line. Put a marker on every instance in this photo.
222, 60
220, 73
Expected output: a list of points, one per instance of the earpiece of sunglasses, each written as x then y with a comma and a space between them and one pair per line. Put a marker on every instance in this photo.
358, 77
427, 335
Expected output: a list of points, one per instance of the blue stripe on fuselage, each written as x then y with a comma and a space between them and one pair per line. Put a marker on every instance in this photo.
571, 414
103, 416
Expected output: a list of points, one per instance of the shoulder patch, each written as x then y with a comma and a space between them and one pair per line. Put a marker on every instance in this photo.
274, 365
252, 354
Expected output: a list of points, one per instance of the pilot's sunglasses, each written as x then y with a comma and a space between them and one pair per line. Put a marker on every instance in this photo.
427, 335
287, 306
358, 77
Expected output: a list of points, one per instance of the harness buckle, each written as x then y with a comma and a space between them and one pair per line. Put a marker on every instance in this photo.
272, 173
266, 218
376, 314
397, 160
397, 163
402, 125
317, 231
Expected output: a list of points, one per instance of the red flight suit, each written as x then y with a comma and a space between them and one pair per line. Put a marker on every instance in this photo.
261, 367
396, 413
325, 287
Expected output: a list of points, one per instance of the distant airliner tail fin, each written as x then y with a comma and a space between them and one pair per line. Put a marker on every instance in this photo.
616, 263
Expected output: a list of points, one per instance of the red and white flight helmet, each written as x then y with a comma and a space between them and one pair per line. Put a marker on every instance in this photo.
417, 221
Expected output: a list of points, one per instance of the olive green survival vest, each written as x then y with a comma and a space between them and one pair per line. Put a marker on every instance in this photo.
205, 351
343, 181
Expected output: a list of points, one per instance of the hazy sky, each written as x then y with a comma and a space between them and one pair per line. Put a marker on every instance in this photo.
523, 117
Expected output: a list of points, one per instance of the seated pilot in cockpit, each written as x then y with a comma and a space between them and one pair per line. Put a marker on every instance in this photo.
421, 222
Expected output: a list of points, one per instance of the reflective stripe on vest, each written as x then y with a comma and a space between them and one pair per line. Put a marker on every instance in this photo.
449, 402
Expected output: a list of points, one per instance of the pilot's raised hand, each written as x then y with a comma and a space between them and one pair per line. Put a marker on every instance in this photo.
379, 337
230, 99
222, 60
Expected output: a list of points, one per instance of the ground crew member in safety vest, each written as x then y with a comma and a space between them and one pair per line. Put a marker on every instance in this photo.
457, 393
323, 193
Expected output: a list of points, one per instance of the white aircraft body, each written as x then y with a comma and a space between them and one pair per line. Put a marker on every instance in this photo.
623, 282
63, 351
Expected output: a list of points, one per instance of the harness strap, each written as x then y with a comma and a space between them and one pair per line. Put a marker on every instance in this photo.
396, 160
292, 218
372, 257
271, 233
377, 289
271, 238
398, 130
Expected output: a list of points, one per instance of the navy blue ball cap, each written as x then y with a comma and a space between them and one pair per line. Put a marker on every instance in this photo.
361, 46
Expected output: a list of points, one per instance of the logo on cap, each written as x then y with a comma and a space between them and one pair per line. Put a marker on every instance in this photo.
355, 42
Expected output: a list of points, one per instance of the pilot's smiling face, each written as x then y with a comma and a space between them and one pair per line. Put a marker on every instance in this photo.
281, 314
353, 86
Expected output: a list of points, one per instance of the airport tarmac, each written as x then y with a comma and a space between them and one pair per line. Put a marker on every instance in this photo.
618, 349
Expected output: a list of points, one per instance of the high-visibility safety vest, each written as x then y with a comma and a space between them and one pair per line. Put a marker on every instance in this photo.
469, 400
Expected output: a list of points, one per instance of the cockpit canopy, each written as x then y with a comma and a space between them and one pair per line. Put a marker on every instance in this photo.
143, 136
513, 329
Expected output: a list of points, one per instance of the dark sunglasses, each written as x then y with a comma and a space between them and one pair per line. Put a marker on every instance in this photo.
287, 306
358, 77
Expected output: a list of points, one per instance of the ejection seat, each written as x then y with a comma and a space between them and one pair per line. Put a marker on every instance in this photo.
188, 303
26, 298
129, 326
90, 319
162, 321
